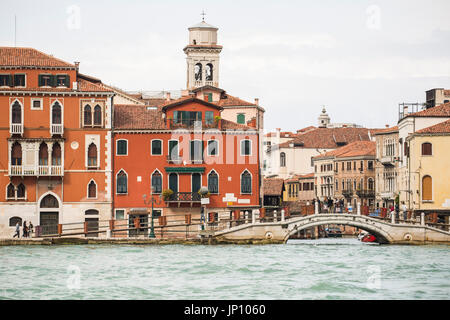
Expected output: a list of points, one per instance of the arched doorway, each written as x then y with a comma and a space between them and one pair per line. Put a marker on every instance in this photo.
49, 215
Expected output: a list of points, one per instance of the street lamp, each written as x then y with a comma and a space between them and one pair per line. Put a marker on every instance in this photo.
152, 228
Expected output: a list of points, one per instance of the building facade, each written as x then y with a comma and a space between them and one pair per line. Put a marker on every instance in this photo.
386, 167
55, 138
428, 160
171, 151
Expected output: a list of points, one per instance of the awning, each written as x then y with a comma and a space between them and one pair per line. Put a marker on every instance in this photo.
185, 169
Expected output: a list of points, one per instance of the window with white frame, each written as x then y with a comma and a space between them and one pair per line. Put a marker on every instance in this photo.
213, 147
157, 147
246, 147
122, 148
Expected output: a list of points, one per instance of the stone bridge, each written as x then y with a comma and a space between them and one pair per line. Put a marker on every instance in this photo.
385, 231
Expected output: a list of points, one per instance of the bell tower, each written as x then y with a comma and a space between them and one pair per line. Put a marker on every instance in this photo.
202, 56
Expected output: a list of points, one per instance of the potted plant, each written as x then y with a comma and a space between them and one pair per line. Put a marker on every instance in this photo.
167, 193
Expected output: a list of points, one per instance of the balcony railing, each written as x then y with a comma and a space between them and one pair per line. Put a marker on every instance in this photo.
193, 124
15, 170
16, 128
184, 197
387, 195
176, 160
365, 193
387, 160
56, 129
347, 193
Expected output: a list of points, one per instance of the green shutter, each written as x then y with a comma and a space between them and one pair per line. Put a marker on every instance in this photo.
67, 81
10, 80
53, 80
40, 80
241, 118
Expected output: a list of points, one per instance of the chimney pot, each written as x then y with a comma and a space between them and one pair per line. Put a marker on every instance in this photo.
387, 126
168, 96
257, 101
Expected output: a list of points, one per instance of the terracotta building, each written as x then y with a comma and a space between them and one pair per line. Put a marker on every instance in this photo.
183, 145
55, 137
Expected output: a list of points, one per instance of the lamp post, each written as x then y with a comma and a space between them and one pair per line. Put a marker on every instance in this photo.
152, 228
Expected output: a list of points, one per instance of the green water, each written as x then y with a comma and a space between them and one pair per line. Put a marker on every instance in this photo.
308, 269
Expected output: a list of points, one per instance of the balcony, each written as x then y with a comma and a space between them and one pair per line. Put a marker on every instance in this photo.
174, 160
16, 128
387, 195
184, 197
19, 170
387, 160
194, 124
56, 129
365, 193
347, 193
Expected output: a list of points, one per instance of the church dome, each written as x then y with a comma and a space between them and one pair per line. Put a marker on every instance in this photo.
203, 25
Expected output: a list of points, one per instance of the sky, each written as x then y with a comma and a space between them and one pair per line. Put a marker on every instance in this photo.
358, 58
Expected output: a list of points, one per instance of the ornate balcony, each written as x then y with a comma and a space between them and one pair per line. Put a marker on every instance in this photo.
16, 128
56, 129
184, 197
20, 170
347, 193
365, 193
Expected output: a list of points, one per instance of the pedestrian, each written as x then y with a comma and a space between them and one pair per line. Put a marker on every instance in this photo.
25, 229
17, 231
405, 212
30, 229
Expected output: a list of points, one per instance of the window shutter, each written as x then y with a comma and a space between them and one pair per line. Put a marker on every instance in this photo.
40, 80
53, 81
67, 81
10, 80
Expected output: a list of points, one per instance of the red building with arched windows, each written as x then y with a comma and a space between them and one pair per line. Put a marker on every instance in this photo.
182, 145
55, 142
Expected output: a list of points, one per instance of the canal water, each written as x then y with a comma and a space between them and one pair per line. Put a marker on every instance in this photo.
301, 269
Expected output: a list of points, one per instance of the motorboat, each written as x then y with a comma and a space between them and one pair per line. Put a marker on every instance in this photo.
366, 237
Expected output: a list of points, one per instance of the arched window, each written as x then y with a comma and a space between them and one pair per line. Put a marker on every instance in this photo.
122, 182
427, 149
427, 188
209, 72
92, 189
43, 154
16, 154
156, 182
49, 201
97, 115
246, 182
10, 191
198, 72
213, 182
14, 220
92, 156
16, 113
56, 113
56, 154
21, 191
282, 159
87, 115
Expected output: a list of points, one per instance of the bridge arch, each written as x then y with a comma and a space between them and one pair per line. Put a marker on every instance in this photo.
382, 235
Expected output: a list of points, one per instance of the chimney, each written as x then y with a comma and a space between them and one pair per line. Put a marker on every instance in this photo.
387, 126
167, 96
405, 111
257, 101
77, 65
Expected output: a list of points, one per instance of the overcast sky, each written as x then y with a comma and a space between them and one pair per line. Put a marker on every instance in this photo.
358, 58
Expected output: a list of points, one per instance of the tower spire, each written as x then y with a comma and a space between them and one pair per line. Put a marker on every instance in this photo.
203, 14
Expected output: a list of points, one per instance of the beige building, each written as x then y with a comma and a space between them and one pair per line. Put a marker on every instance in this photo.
428, 161
347, 173
408, 124
386, 167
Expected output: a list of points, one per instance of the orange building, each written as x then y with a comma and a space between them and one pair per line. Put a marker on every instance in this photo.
182, 145
55, 137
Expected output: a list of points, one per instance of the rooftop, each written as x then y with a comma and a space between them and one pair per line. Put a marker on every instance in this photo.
273, 186
354, 149
443, 127
29, 57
